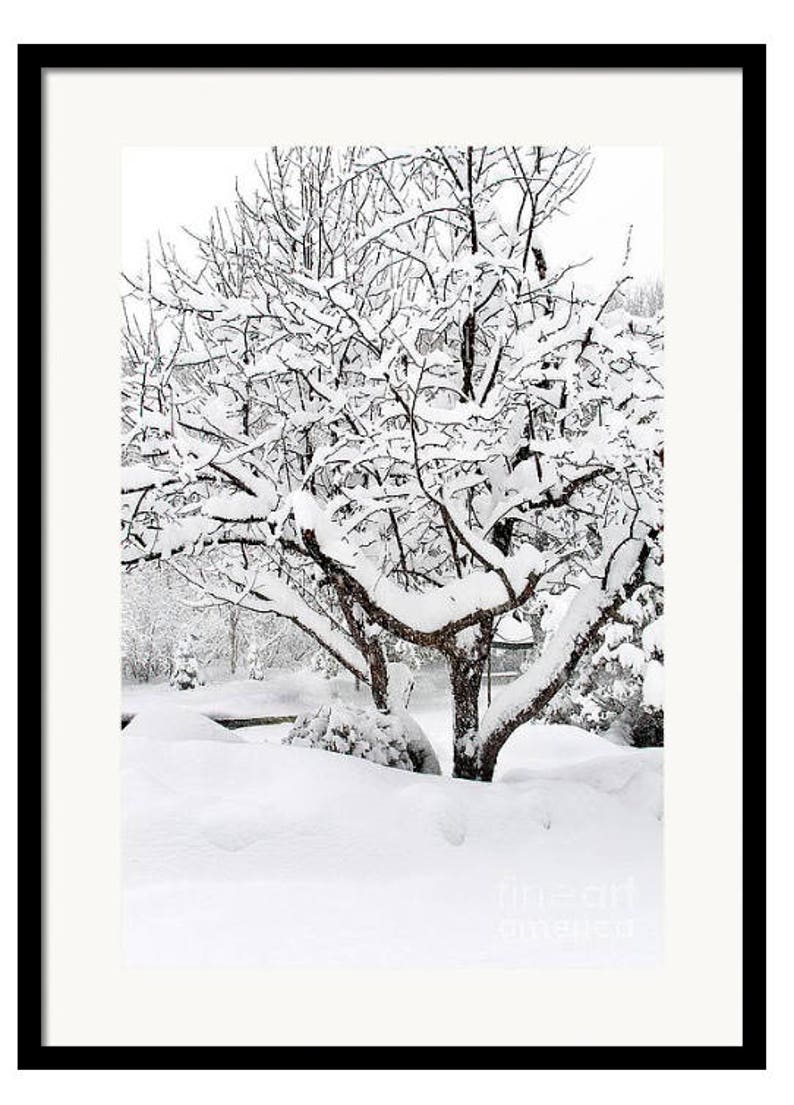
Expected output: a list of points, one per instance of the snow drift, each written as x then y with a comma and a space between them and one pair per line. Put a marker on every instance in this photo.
252, 854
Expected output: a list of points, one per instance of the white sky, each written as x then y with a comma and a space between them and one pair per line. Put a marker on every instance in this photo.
166, 188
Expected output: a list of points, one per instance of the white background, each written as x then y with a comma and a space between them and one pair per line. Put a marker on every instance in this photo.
707, 23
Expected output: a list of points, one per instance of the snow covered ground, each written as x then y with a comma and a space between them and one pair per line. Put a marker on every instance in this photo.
241, 852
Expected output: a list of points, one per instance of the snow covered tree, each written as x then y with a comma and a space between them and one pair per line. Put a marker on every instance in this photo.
149, 626
256, 668
185, 671
233, 616
275, 642
380, 408
324, 664
158, 610
281, 643
645, 299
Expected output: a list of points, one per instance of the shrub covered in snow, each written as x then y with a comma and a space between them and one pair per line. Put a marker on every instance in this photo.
392, 740
421, 751
185, 673
639, 725
618, 685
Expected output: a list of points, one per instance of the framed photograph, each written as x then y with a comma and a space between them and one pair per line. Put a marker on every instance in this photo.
393, 618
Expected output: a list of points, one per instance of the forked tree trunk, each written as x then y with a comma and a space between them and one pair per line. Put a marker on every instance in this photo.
466, 677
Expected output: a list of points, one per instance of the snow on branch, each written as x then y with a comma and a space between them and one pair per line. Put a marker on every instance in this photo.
267, 594
622, 565
421, 617
142, 477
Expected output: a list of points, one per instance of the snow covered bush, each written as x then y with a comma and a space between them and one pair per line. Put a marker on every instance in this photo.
615, 688
185, 672
639, 725
391, 740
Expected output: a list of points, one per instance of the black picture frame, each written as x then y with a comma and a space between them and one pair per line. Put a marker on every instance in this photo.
34, 61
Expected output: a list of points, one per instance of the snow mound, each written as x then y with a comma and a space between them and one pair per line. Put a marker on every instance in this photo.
177, 723
239, 854
537, 746
633, 775
433, 808
233, 825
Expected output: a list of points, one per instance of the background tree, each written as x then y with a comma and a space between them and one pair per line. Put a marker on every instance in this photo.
185, 673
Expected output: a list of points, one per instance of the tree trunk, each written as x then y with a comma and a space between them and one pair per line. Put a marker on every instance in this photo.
378, 676
466, 672
233, 619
